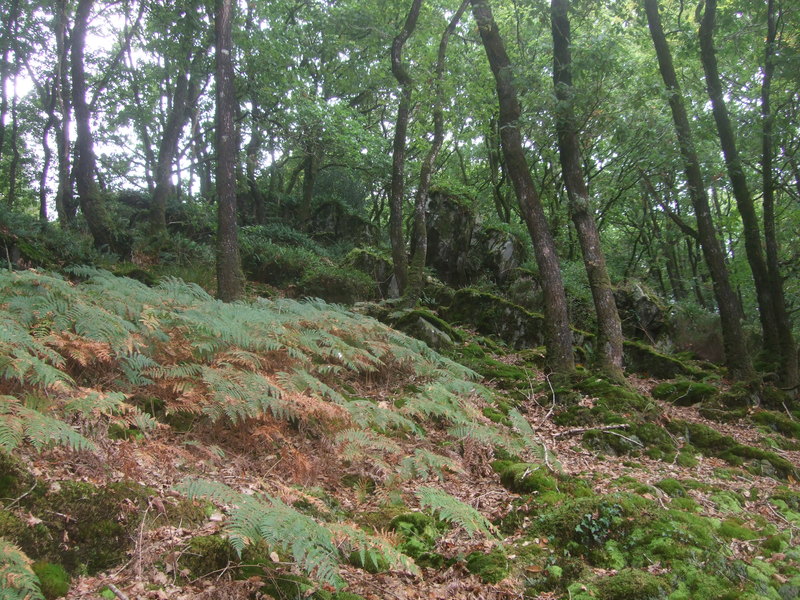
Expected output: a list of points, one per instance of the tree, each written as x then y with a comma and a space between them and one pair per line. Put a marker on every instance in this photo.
557, 331
736, 356
230, 280
419, 240
396, 235
91, 201
740, 189
609, 327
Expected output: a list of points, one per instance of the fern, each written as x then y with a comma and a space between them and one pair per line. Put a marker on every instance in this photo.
17, 579
368, 414
18, 423
454, 511
528, 435
424, 464
490, 435
316, 548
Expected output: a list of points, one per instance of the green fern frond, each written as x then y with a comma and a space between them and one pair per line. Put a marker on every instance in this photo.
95, 403
43, 431
17, 579
424, 464
528, 435
489, 435
368, 414
454, 511
371, 549
303, 382
360, 444
252, 519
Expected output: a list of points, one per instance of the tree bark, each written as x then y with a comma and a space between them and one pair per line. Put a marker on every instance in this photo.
609, 327
91, 200
736, 357
741, 191
787, 367
230, 280
419, 238
557, 331
185, 94
396, 235
66, 206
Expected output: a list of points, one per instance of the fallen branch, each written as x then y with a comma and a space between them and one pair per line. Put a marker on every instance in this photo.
585, 429
116, 591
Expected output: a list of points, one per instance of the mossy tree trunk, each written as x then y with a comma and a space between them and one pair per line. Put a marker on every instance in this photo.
739, 187
230, 280
609, 327
788, 367
736, 357
558, 335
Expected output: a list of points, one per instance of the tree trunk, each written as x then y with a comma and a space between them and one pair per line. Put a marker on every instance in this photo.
91, 200
65, 201
741, 191
396, 235
557, 331
419, 239
8, 38
609, 327
185, 94
230, 280
787, 367
736, 357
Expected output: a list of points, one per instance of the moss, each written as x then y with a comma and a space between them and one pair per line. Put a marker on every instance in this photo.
630, 583
491, 568
525, 478
608, 443
408, 318
53, 579
14, 477
685, 504
495, 416
419, 533
712, 443
646, 360
684, 392
728, 501
207, 554
614, 397
672, 487
732, 529
687, 457
98, 523
778, 422
492, 315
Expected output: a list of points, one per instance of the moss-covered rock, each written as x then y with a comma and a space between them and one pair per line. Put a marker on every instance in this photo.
493, 315
207, 554
491, 567
426, 326
525, 478
419, 533
98, 523
778, 422
712, 443
644, 359
54, 581
684, 392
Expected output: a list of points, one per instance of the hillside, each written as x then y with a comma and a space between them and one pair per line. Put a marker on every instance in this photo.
157, 443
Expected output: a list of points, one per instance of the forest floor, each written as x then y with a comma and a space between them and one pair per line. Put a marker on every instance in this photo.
591, 519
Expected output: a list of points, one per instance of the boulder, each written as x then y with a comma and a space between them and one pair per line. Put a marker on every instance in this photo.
451, 227
492, 315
